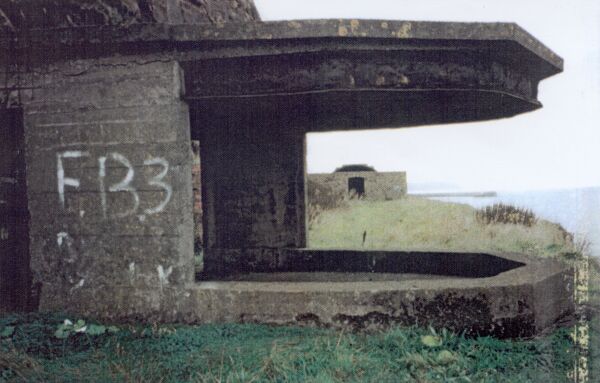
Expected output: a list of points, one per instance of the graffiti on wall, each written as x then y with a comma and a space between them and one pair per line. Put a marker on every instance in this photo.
124, 185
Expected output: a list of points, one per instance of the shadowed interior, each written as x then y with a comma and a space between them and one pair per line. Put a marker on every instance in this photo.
327, 265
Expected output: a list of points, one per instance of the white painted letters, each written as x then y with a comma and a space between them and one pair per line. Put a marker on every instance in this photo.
60, 173
60, 237
158, 181
125, 185
101, 177
163, 275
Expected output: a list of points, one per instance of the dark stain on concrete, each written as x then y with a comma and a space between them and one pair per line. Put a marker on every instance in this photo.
309, 319
371, 321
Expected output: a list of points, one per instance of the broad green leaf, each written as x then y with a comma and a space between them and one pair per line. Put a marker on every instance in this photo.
67, 323
113, 329
7, 331
431, 340
61, 333
446, 357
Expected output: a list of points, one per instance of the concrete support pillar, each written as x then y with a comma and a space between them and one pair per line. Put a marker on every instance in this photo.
253, 165
109, 184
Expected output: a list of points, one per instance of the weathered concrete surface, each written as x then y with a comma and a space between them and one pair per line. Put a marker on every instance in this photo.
413, 55
519, 302
331, 74
378, 186
371, 87
109, 174
530, 52
18, 15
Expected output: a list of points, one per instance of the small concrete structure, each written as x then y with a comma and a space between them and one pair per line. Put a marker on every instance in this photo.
102, 99
362, 181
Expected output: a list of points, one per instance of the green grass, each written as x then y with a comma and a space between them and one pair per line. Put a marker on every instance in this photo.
420, 224
594, 323
244, 353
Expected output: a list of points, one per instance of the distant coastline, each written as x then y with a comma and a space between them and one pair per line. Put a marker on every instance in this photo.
456, 194
577, 210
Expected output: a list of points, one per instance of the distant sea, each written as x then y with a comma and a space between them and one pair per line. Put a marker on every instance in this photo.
577, 210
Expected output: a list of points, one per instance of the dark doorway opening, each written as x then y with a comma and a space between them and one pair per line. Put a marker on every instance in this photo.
356, 187
15, 275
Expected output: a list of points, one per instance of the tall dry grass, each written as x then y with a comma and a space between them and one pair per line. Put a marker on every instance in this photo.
422, 224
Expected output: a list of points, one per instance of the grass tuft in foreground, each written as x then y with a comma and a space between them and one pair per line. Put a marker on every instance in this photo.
256, 353
502, 213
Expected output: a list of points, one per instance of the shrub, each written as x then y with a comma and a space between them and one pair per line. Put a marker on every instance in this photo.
502, 213
323, 196
320, 198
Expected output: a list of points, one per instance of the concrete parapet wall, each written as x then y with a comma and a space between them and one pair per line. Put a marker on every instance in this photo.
510, 304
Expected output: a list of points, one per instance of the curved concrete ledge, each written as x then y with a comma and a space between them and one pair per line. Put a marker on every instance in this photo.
515, 303
356, 88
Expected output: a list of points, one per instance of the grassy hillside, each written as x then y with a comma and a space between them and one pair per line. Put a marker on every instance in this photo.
421, 224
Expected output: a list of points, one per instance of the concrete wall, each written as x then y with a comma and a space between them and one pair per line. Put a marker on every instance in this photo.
379, 186
108, 155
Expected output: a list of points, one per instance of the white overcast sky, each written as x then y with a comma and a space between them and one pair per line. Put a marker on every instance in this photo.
557, 146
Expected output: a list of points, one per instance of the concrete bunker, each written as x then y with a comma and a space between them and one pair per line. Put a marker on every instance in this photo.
110, 106
362, 181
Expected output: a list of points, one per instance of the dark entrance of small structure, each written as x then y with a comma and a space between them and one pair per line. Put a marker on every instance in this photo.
356, 186
14, 216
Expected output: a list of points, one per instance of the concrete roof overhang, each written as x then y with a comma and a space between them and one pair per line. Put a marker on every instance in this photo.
327, 74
